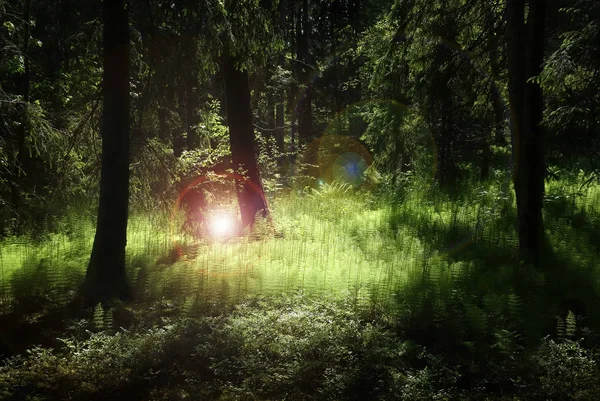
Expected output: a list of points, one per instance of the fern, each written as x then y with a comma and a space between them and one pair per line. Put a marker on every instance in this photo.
331, 190
514, 306
99, 317
560, 327
570, 324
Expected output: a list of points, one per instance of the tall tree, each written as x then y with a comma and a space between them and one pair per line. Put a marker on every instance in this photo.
22, 129
105, 277
249, 191
280, 107
245, 47
304, 70
525, 60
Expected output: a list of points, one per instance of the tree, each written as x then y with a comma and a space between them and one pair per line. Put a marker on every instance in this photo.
105, 277
304, 72
249, 191
525, 94
245, 47
22, 130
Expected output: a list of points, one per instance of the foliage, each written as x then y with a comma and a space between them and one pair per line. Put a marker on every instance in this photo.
570, 80
567, 360
291, 347
101, 367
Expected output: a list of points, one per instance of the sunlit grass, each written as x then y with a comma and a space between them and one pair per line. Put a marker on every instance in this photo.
332, 242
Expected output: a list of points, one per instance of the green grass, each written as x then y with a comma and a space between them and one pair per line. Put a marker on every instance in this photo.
332, 241
414, 293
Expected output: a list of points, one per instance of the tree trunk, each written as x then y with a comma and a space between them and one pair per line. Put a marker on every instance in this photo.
280, 107
193, 141
485, 156
21, 156
191, 93
530, 180
279, 124
526, 116
293, 94
492, 45
163, 127
499, 116
249, 191
272, 122
303, 69
496, 98
515, 30
105, 277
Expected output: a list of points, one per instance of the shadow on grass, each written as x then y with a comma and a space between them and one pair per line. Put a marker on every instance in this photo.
474, 285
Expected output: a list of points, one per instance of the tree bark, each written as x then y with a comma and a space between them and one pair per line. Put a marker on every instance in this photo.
526, 116
105, 277
249, 191
193, 141
531, 179
163, 127
496, 98
515, 14
305, 119
279, 124
191, 99
279, 108
22, 130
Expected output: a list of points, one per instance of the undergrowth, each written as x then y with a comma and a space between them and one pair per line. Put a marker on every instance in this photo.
294, 348
343, 295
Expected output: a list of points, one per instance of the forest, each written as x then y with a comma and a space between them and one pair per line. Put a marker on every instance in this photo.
299, 200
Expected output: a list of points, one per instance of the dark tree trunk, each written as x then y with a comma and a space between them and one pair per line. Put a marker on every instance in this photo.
446, 170
293, 95
191, 93
179, 141
492, 45
272, 125
163, 126
249, 191
293, 134
485, 157
21, 156
499, 116
105, 278
193, 141
280, 123
495, 96
515, 14
530, 179
280, 106
305, 119
441, 104
526, 116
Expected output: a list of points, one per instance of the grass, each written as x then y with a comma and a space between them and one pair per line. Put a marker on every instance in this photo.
420, 286
331, 241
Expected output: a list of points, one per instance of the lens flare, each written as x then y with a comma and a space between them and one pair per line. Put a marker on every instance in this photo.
350, 167
221, 225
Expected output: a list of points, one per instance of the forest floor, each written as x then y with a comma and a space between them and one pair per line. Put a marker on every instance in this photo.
344, 295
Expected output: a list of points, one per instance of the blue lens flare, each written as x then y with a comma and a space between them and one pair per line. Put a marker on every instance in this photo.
350, 167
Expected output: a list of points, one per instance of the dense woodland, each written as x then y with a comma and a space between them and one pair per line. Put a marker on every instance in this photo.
300, 200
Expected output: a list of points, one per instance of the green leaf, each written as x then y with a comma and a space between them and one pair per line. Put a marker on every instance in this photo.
9, 26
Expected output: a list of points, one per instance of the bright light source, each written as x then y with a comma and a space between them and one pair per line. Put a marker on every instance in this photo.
221, 225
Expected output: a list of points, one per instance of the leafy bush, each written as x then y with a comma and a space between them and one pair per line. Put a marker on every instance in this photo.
299, 349
564, 371
118, 366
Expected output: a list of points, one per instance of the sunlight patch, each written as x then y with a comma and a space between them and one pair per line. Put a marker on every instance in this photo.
221, 225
